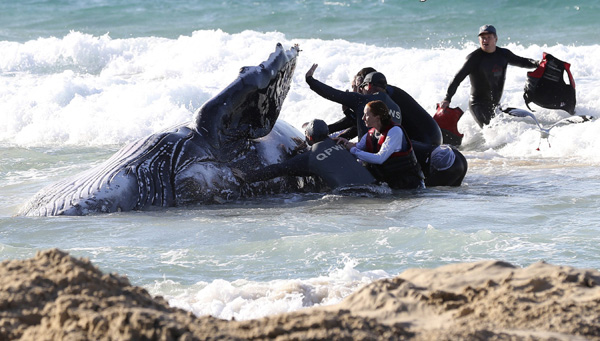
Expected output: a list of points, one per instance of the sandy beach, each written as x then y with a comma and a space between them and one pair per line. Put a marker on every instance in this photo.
56, 296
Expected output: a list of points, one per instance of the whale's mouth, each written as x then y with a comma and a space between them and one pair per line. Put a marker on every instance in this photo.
259, 111
249, 107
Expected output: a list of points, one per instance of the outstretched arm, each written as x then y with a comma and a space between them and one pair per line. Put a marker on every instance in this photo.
393, 143
346, 98
464, 71
515, 60
296, 166
458, 78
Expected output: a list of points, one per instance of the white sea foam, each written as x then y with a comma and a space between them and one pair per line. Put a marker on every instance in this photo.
244, 299
95, 91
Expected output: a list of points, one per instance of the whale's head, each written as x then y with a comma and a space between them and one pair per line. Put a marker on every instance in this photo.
249, 107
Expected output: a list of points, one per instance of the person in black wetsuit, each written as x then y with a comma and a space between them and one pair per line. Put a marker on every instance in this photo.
349, 118
442, 165
373, 88
419, 125
325, 159
486, 68
417, 122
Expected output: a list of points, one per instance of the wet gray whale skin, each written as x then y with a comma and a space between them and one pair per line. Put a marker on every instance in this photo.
191, 163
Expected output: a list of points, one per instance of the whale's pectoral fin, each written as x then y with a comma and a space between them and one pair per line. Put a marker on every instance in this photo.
249, 107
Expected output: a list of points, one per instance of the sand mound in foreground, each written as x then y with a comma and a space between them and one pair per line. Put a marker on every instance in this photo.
486, 300
55, 296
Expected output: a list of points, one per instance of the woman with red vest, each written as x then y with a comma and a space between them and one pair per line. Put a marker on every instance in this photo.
386, 149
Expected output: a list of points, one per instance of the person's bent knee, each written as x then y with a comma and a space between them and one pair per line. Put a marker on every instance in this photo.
482, 113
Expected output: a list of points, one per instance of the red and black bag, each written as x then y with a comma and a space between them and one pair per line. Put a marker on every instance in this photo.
547, 88
447, 120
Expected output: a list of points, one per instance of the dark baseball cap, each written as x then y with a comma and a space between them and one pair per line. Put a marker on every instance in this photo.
487, 29
376, 78
317, 129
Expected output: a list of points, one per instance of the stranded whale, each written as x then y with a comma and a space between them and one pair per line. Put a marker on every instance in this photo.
191, 163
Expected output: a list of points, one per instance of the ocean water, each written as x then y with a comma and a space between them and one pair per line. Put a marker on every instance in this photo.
79, 79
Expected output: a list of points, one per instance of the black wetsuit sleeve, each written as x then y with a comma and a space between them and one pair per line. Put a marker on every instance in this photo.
349, 99
515, 60
296, 166
342, 124
350, 133
466, 69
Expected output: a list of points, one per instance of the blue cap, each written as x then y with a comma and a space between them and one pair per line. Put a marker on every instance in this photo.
442, 158
487, 29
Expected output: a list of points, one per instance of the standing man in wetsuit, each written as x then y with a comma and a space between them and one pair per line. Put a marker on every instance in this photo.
325, 158
373, 88
486, 68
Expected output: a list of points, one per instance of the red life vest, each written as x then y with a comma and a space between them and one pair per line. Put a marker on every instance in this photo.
374, 144
547, 88
401, 169
447, 120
